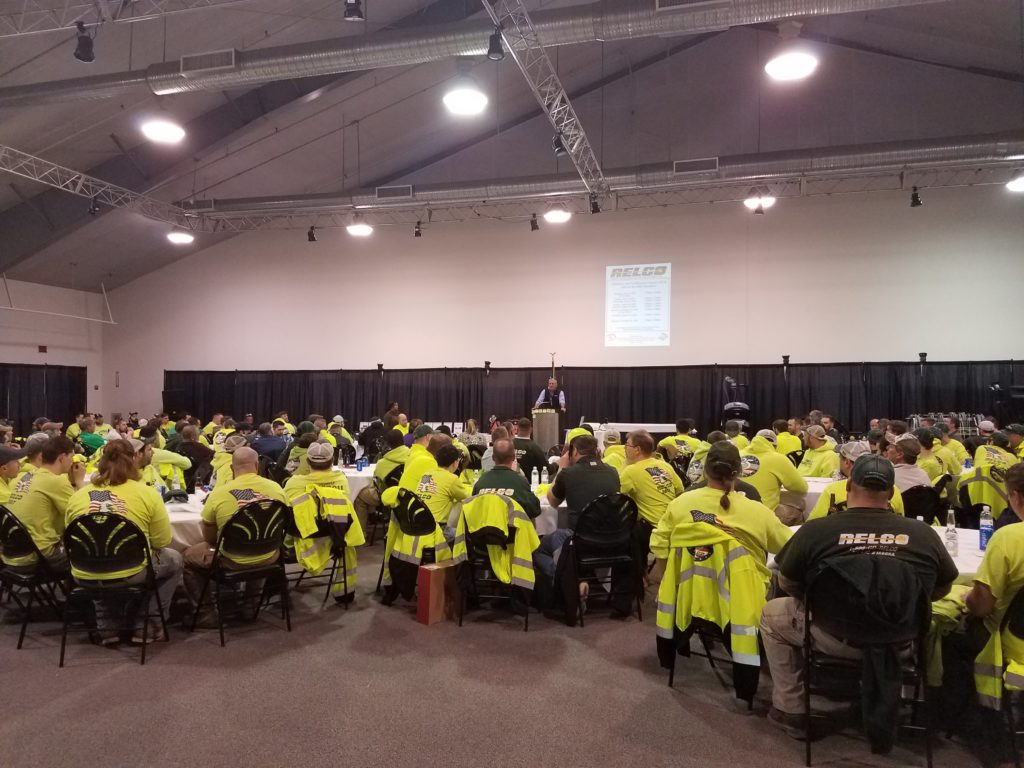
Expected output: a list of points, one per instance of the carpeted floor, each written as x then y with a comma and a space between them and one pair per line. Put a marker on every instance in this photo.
371, 687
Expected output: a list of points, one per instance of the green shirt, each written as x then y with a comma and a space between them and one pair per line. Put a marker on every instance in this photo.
40, 500
91, 442
505, 481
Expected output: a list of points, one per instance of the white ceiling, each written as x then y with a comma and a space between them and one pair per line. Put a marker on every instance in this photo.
918, 72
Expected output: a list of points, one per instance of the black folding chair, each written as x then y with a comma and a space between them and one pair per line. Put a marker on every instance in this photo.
39, 584
413, 518
796, 457
923, 501
858, 625
255, 530
100, 544
603, 538
477, 570
476, 454
380, 516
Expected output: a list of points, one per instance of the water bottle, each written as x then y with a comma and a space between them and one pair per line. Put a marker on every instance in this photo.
968, 463
544, 477
952, 537
534, 479
984, 527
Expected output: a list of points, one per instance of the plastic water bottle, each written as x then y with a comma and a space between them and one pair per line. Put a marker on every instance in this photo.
984, 528
968, 463
545, 478
534, 478
952, 537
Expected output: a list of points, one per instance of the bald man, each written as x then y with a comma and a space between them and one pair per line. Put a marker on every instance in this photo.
221, 505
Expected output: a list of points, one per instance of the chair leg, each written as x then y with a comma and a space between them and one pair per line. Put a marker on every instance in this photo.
330, 582
344, 581
64, 633
1011, 726
217, 608
145, 628
199, 604
160, 609
286, 602
807, 706
28, 616
672, 669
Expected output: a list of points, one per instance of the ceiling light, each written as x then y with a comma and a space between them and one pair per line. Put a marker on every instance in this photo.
84, 50
180, 237
495, 49
358, 227
354, 10
311, 235
163, 131
464, 96
762, 201
94, 206
792, 59
1016, 184
595, 204
558, 145
557, 214
534, 226
418, 230
915, 199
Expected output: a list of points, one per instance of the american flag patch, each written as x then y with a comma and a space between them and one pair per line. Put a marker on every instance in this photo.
703, 517
243, 495
105, 501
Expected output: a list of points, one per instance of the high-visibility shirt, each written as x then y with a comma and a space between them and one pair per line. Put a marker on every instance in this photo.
994, 456
751, 523
652, 484
710, 575
787, 443
420, 462
396, 457
931, 465
330, 503
950, 465
985, 485
695, 469
221, 466
439, 489
325, 435
680, 444
766, 470
40, 501
171, 467
160, 441
740, 441
73, 431
822, 461
615, 456
1002, 659
102, 428
461, 447
6, 486
403, 428
959, 451
225, 500
209, 429
133, 500
510, 564
323, 478
836, 492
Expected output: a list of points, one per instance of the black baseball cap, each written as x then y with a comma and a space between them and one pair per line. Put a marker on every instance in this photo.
10, 453
873, 473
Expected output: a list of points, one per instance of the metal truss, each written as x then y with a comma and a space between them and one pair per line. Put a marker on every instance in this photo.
33, 17
524, 45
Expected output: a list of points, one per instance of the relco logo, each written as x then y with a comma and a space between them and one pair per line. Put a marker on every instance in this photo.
638, 271
874, 538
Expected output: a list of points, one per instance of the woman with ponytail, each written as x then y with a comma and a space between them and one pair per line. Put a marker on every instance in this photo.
754, 525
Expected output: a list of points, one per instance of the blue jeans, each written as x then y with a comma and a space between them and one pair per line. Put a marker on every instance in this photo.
544, 556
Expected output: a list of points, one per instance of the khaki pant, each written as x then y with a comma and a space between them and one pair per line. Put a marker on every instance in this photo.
366, 501
782, 630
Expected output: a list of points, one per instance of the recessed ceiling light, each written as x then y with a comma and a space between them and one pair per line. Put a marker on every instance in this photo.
179, 237
464, 97
163, 131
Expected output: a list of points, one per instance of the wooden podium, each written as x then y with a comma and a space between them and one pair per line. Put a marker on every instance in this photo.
545, 428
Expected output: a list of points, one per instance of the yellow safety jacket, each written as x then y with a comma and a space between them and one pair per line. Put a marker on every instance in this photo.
615, 456
787, 443
1001, 662
959, 452
221, 466
822, 461
410, 548
994, 456
985, 485
511, 565
709, 575
695, 469
678, 444
322, 502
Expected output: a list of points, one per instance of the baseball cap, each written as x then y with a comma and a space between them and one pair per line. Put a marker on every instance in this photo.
320, 452
986, 426
35, 442
422, 431
338, 420
137, 444
1017, 429
910, 449
10, 453
873, 473
1001, 439
767, 434
52, 425
854, 450
816, 430
233, 442
942, 426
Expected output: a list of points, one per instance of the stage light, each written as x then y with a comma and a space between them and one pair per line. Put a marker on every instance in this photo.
495, 49
915, 199
358, 227
785, 359
1016, 184
792, 59
94, 206
84, 48
923, 356
759, 203
534, 226
354, 10
464, 96
558, 145
418, 230
311, 235
180, 237
557, 214
162, 131
595, 205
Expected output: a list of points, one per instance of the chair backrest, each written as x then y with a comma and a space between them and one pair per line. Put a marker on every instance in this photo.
1013, 619
256, 529
346, 453
476, 453
105, 542
15, 540
412, 515
940, 484
394, 477
922, 501
796, 457
606, 523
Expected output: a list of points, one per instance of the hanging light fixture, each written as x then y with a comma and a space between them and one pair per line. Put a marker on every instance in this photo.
160, 130
180, 237
84, 47
759, 201
464, 97
1016, 184
558, 145
557, 214
915, 198
311, 235
418, 229
495, 48
354, 10
358, 227
792, 59
534, 225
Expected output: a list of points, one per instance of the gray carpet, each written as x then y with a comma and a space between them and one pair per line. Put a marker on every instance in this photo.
371, 687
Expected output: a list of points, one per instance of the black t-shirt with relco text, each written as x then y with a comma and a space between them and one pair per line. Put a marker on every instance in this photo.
871, 532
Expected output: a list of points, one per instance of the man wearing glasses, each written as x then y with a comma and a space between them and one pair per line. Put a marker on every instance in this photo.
649, 481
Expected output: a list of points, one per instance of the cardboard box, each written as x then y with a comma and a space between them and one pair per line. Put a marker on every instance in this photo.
436, 592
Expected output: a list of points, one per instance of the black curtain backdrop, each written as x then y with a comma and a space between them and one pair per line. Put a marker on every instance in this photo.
853, 392
30, 391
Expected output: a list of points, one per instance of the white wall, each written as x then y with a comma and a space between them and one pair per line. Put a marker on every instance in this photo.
861, 277
68, 341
